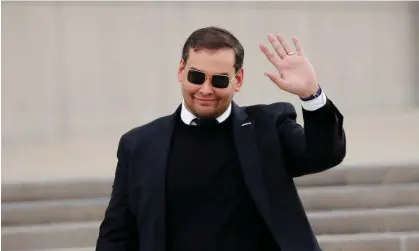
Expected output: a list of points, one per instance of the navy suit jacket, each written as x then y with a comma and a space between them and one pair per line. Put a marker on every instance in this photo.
273, 149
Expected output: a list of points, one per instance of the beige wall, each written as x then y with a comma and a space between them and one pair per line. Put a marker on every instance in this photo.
88, 69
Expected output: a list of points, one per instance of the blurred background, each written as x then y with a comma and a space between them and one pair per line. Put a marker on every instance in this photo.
77, 75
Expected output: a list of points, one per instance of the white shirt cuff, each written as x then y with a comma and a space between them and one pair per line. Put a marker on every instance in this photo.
314, 104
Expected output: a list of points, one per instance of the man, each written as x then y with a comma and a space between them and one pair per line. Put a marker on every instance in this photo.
215, 176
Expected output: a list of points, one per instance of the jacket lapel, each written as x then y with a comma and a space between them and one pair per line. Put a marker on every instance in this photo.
155, 193
246, 145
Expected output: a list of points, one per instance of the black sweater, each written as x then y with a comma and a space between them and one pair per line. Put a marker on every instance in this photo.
208, 205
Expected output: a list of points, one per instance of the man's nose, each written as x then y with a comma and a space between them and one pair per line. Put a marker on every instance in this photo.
206, 88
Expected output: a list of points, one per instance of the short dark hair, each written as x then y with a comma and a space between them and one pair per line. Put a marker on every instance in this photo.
214, 38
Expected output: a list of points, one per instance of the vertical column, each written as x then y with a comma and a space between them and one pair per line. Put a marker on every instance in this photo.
414, 15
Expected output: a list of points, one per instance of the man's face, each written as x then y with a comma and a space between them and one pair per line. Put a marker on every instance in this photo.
205, 100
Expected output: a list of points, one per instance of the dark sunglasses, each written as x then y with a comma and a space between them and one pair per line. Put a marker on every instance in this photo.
199, 77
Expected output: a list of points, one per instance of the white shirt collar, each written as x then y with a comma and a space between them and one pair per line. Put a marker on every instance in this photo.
187, 116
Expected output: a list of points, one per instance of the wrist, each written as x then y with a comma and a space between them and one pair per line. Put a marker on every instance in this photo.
312, 94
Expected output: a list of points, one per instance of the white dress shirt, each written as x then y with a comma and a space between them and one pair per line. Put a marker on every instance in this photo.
311, 105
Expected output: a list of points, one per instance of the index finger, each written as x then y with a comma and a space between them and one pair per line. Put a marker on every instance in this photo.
269, 55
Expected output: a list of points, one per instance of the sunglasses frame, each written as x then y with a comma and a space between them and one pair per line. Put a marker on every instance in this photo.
209, 77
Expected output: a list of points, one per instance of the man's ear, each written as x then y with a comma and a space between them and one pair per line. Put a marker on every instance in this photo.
180, 70
239, 80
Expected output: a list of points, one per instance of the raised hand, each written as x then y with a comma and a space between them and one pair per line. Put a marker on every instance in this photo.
295, 73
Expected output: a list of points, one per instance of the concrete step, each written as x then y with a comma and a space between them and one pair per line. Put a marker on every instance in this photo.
357, 175
342, 175
314, 198
50, 236
68, 249
370, 242
329, 222
41, 212
350, 242
55, 190
354, 242
365, 221
359, 196
54, 240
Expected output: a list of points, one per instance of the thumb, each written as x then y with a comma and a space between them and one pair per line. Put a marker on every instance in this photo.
275, 78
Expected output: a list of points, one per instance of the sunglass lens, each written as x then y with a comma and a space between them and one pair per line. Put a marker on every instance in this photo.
196, 77
220, 81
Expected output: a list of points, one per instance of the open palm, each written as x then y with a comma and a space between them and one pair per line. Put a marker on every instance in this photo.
295, 73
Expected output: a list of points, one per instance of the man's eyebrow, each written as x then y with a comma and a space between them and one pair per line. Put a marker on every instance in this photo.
193, 68
222, 73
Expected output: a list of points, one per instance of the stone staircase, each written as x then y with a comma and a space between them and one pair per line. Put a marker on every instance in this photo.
362, 208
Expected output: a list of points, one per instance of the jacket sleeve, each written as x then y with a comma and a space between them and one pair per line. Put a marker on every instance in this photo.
317, 146
117, 232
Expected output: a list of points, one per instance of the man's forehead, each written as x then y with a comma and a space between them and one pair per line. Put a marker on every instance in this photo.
213, 62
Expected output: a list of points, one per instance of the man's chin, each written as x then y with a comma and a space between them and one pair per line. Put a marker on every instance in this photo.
206, 112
